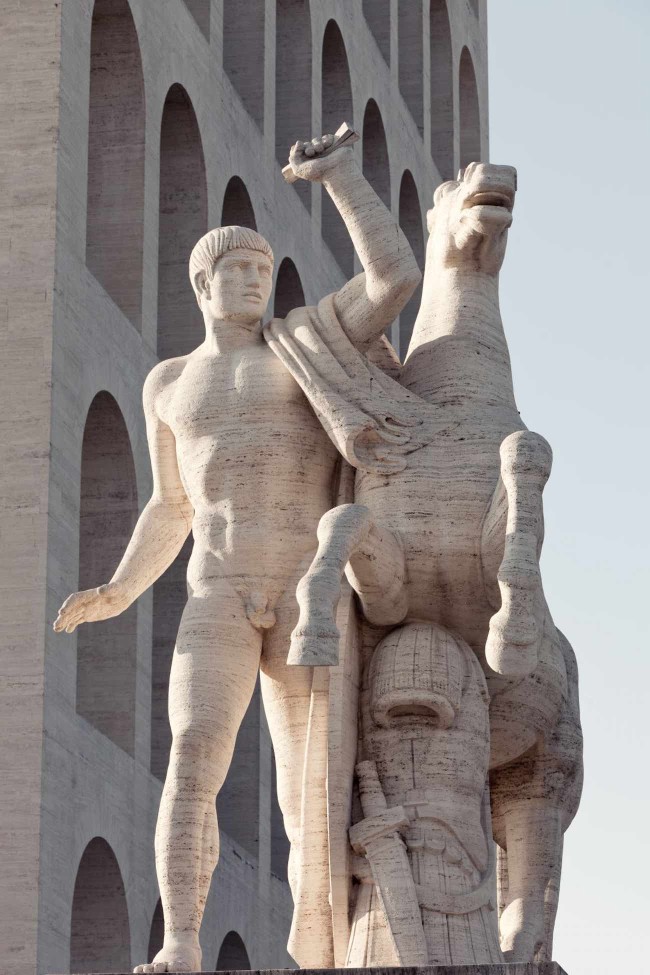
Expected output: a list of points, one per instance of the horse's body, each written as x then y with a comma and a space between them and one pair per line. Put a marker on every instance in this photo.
454, 540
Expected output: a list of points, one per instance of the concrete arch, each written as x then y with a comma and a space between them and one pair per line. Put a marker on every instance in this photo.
238, 802
200, 10
100, 937
293, 65
337, 106
183, 218
469, 111
237, 209
243, 53
376, 164
108, 510
233, 955
442, 89
115, 206
289, 293
377, 15
410, 59
157, 931
410, 220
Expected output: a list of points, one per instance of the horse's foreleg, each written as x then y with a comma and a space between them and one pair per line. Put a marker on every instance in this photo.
347, 537
515, 631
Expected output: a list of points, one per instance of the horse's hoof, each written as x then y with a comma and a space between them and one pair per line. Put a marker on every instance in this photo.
314, 648
510, 659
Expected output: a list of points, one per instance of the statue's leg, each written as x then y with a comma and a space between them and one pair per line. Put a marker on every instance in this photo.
213, 676
347, 537
515, 630
534, 800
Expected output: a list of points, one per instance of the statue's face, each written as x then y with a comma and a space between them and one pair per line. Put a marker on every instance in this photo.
469, 222
240, 286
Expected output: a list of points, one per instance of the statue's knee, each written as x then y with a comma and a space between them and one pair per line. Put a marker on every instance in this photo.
193, 744
526, 453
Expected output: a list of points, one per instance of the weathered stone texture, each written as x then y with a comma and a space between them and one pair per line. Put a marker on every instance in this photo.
78, 322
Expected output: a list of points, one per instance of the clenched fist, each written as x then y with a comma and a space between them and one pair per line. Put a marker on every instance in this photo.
308, 161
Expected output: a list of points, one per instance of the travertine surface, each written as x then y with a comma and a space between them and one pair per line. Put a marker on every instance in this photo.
449, 699
239, 457
543, 968
442, 546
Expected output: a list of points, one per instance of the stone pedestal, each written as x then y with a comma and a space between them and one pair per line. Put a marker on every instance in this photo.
531, 968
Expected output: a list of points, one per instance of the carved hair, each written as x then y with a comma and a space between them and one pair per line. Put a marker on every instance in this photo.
216, 243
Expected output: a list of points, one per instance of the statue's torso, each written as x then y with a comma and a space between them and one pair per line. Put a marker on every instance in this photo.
254, 460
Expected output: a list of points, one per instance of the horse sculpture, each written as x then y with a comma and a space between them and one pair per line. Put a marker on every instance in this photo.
443, 553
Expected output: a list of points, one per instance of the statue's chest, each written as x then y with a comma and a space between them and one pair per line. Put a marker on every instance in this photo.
228, 389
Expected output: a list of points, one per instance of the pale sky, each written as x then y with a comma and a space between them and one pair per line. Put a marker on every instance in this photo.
570, 107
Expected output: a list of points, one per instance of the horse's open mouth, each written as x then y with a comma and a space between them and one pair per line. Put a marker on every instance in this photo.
490, 198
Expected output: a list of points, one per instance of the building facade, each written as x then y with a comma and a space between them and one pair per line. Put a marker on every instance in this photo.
133, 126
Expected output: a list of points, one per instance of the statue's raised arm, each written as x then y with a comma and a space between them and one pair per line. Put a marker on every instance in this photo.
370, 301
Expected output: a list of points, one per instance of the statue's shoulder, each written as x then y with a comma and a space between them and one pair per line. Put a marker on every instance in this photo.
161, 377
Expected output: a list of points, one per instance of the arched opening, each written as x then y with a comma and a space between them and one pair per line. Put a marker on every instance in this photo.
100, 937
243, 53
238, 802
108, 510
442, 90
288, 290
409, 38
169, 598
233, 956
237, 209
377, 14
157, 932
292, 82
376, 167
336, 108
183, 219
200, 10
410, 220
114, 231
470, 117
279, 839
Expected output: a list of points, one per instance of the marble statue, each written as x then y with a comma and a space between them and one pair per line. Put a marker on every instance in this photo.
243, 458
367, 535
468, 705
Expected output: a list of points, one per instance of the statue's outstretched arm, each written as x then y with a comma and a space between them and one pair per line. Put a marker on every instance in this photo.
157, 537
368, 303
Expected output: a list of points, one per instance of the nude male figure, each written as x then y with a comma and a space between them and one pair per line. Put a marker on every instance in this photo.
239, 458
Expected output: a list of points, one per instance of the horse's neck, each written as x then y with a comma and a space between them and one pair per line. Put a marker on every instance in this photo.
458, 351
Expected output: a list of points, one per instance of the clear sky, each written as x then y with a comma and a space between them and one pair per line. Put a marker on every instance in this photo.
570, 107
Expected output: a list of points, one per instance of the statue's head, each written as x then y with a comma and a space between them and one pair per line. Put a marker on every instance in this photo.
231, 270
468, 225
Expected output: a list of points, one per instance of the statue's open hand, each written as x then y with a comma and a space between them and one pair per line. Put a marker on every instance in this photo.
90, 606
308, 162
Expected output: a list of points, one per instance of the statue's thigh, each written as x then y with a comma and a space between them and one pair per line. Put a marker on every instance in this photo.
214, 669
286, 692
